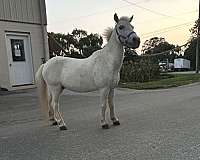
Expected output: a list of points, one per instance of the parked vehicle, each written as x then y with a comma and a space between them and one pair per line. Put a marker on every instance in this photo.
181, 64
165, 66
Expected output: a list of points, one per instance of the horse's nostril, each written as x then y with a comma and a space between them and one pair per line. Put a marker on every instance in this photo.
136, 42
136, 39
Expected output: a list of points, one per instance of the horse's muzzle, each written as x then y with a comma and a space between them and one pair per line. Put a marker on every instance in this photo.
133, 42
136, 42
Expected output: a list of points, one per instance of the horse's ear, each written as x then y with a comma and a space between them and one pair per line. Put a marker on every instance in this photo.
116, 18
131, 18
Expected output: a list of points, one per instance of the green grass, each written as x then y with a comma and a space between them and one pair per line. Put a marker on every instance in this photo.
166, 81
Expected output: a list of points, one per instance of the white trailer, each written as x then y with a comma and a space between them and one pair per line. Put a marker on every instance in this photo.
181, 64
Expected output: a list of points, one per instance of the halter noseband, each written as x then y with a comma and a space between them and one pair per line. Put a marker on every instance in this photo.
124, 37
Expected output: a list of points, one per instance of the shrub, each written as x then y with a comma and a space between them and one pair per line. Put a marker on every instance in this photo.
141, 70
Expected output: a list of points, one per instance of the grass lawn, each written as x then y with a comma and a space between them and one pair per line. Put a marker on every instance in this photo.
166, 81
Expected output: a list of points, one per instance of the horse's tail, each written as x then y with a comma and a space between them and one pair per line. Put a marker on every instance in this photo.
42, 90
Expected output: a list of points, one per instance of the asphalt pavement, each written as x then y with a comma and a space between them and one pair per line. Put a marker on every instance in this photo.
155, 125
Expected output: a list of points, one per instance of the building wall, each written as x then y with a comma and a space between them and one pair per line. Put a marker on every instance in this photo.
26, 11
37, 48
22, 16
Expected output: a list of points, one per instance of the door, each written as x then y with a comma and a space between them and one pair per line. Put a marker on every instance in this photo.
19, 59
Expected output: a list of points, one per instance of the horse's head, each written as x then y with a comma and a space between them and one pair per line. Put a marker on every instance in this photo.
125, 33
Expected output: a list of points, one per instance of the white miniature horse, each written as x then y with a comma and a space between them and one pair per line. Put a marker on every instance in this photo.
100, 71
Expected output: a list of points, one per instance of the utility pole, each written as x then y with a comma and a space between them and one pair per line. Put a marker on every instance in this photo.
44, 31
198, 42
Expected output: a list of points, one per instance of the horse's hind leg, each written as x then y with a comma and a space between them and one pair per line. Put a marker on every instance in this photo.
51, 110
112, 108
56, 91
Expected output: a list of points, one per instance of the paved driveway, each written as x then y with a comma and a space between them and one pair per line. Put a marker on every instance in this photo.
155, 125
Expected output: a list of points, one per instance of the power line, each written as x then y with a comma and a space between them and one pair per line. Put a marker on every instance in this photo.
149, 10
152, 20
165, 52
163, 30
153, 35
130, 4
100, 12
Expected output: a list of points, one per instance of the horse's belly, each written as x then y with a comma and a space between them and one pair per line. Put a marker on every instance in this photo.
81, 89
80, 84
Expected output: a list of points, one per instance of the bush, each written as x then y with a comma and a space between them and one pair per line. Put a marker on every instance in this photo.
142, 70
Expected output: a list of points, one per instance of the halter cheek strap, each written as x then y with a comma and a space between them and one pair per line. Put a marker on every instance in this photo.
124, 37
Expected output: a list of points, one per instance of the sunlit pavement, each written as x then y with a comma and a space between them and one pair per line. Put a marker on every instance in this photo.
160, 124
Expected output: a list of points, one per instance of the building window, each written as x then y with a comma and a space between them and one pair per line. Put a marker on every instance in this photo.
17, 46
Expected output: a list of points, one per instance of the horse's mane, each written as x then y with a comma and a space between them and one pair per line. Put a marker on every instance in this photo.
107, 33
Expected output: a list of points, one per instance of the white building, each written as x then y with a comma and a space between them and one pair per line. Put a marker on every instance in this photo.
23, 42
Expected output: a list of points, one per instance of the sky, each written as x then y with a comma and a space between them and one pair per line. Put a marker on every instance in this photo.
170, 19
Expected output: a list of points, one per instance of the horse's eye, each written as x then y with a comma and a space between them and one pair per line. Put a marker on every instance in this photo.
121, 27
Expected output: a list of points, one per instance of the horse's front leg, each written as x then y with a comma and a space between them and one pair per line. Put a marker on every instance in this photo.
112, 108
103, 104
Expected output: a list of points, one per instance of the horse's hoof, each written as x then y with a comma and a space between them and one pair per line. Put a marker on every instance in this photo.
105, 126
51, 119
62, 128
54, 123
116, 123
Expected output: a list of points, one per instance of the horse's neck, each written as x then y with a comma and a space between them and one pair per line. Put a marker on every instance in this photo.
114, 51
